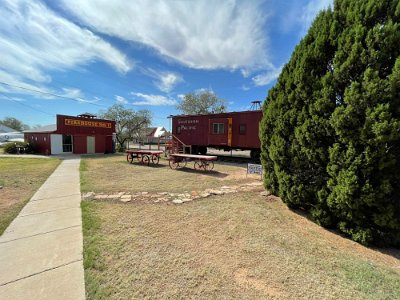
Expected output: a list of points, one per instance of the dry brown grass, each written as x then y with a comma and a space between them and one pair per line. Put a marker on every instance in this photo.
113, 174
20, 178
235, 246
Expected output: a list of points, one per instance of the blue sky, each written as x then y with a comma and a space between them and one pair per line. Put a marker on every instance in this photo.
75, 56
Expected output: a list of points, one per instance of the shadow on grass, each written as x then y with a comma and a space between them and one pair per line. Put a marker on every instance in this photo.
212, 173
102, 155
395, 253
151, 165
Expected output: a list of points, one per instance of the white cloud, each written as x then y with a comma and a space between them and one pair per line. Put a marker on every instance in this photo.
121, 99
165, 80
17, 86
34, 41
72, 93
300, 17
202, 90
311, 10
76, 94
199, 34
153, 100
267, 77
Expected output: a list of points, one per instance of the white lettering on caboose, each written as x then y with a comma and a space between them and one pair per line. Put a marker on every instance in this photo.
188, 124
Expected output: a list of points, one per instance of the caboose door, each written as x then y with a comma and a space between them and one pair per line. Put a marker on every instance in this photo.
220, 132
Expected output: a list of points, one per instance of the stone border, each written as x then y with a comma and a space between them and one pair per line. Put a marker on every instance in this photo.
176, 198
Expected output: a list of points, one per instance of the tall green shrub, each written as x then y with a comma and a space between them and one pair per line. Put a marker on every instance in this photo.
330, 135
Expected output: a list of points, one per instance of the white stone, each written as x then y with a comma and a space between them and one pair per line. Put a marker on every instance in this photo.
205, 195
265, 193
88, 195
230, 191
216, 192
126, 198
177, 201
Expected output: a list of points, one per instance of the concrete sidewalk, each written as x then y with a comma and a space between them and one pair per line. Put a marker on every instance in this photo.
41, 250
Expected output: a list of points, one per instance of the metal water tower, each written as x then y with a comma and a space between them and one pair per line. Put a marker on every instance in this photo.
255, 105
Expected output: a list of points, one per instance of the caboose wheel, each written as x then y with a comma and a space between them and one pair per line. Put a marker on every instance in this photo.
255, 154
202, 150
129, 158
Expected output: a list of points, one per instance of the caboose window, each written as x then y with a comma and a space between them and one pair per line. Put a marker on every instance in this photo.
218, 128
178, 129
242, 129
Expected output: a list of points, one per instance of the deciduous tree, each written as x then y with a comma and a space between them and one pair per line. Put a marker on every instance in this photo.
202, 102
128, 122
14, 124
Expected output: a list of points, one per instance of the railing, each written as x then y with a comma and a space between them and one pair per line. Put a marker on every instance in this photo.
180, 147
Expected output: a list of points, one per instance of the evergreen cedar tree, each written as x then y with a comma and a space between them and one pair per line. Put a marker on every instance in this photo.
330, 132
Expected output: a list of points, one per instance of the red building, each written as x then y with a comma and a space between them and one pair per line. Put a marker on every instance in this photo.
78, 135
233, 130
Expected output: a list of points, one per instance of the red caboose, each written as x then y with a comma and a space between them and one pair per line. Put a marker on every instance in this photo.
227, 131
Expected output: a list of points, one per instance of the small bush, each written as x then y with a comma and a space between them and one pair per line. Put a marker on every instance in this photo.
12, 147
121, 148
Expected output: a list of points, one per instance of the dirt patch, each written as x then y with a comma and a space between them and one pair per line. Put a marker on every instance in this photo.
243, 278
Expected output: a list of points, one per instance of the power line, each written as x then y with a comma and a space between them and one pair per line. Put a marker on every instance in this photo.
50, 94
31, 107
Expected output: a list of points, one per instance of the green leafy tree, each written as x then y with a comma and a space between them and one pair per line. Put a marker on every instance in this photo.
14, 124
295, 131
202, 102
128, 122
331, 128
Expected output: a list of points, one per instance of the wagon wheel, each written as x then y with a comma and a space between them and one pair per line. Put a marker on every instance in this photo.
146, 159
182, 163
208, 165
129, 158
155, 159
173, 164
198, 165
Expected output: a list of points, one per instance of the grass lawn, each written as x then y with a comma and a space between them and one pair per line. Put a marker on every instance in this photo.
233, 246
20, 178
113, 174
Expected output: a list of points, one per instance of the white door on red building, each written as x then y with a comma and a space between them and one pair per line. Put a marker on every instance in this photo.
90, 144
56, 142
